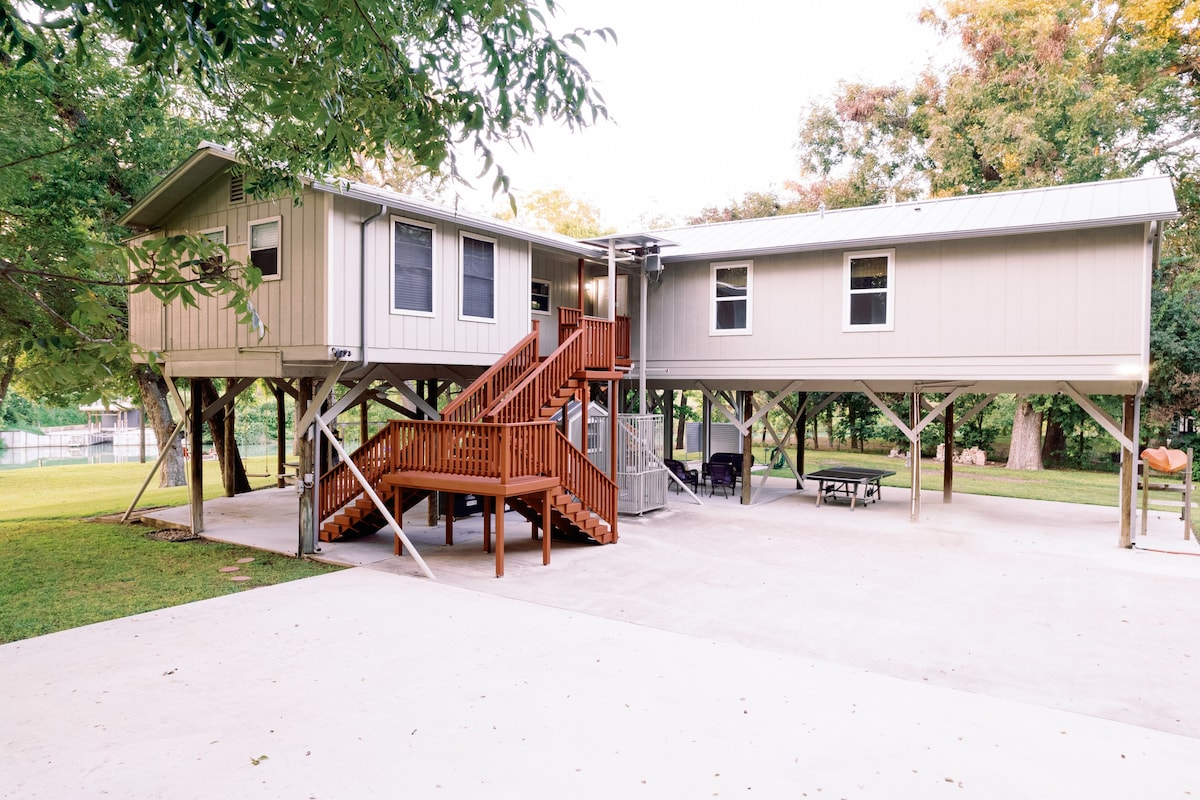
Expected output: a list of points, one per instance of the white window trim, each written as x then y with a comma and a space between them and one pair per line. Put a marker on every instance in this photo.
433, 268
891, 291
713, 301
549, 297
278, 220
462, 237
222, 229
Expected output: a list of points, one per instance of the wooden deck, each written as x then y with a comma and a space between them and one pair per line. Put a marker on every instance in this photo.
494, 492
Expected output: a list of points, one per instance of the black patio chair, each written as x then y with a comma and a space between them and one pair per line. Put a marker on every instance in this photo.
720, 474
686, 476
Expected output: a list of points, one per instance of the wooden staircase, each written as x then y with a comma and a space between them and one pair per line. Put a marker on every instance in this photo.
499, 427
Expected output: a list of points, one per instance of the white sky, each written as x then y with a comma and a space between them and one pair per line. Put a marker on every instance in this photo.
706, 96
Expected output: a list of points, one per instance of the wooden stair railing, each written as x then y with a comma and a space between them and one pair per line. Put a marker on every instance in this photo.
587, 482
571, 319
338, 486
492, 385
589, 347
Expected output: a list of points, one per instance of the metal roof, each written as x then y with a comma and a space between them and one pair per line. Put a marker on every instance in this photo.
210, 159
1067, 207
413, 205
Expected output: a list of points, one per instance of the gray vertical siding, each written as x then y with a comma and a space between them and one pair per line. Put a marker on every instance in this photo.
1066, 304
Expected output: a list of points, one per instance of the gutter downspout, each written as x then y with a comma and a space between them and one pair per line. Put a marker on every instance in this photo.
362, 280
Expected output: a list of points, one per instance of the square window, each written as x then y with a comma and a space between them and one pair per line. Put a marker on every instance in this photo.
264, 246
412, 266
539, 297
868, 292
731, 298
478, 278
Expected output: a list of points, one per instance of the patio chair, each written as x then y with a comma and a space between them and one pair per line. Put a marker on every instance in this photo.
720, 474
689, 477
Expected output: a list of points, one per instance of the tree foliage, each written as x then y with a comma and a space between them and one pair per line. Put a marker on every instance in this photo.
557, 211
302, 86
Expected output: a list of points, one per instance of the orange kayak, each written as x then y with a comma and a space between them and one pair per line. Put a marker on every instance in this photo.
1161, 459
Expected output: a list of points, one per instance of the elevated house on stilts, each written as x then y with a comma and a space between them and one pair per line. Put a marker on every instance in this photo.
491, 331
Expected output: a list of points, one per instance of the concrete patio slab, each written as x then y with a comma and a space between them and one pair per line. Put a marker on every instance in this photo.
997, 648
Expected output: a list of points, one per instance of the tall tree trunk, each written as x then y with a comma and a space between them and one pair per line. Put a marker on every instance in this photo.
10, 369
152, 387
829, 424
816, 434
681, 423
1025, 451
216, 427
1054, 445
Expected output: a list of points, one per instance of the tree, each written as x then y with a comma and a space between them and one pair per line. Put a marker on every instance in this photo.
299, 88
557, 211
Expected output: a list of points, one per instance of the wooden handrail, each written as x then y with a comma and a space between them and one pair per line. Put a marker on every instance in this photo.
587, 482
571, 319
338, 485
590, 346
489, 387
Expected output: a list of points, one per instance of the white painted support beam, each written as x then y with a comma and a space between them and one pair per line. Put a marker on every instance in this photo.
779, 444
351, 398
718, 400
379, 504
975, 409
821, 406
314, 406
908, 432
1100, 415
773, 401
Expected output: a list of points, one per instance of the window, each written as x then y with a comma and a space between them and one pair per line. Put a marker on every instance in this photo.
412, 267
478, 278
731, 298
869, 284
217, 236
264, 247
539, 297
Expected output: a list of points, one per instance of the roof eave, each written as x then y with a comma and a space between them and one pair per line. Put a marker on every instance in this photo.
500, 228
135, 216
888, 241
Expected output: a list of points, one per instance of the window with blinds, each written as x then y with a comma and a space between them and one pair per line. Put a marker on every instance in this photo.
412, 266
478, 278
264, 246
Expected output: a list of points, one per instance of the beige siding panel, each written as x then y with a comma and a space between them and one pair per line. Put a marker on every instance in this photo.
562, 273
291, 307
1061, 303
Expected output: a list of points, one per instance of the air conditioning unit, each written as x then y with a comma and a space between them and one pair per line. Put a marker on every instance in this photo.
652, 263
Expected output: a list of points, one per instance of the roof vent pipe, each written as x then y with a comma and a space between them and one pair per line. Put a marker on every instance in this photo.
362, 279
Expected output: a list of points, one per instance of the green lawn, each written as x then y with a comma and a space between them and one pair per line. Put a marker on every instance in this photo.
58, 570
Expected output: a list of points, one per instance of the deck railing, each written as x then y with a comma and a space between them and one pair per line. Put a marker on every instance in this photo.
571, 319
489, 387
532, 394
338, 485
476, 449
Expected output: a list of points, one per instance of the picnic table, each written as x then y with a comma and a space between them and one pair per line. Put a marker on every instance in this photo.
856, 483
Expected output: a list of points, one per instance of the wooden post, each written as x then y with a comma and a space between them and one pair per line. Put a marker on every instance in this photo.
948, 452
196, 451
914, 452
306, 475
280, 433
499, 537
546, 527
747, 445
1187, 498
801, 433
362, 423
669, 420
1127, 468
